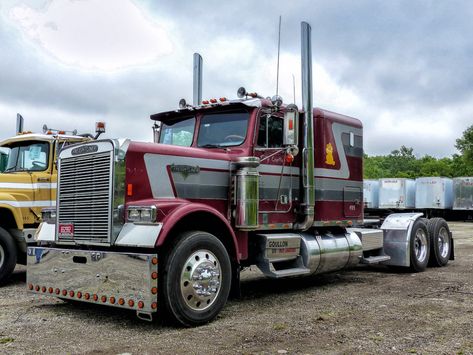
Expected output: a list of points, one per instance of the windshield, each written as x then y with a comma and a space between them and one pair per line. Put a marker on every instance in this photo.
28, 156
223, 129
178, 132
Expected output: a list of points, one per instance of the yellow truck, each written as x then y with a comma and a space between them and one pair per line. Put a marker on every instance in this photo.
27, 185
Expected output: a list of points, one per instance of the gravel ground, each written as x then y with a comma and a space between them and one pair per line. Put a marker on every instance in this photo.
364, 310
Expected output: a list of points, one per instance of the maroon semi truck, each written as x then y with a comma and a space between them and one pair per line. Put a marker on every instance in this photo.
227, 184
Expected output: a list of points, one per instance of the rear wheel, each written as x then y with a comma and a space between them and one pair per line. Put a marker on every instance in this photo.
419, 246
196, 279
8, 255
440, 242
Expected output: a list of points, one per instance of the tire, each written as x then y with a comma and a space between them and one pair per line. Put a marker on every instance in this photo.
8, 256
196, 254
440, 242
419, 246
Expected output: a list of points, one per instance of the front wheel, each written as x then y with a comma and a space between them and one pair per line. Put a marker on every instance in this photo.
8, 255
196, 279
419, 246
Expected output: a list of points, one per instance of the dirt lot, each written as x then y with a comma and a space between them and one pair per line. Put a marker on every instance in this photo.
366, 310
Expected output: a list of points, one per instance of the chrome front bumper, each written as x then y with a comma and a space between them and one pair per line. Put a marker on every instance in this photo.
126, 280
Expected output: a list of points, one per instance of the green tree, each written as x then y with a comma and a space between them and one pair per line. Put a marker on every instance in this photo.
465, 144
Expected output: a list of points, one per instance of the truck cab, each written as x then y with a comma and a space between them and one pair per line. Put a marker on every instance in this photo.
28, 183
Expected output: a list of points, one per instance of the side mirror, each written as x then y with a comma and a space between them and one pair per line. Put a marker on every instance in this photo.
291, 125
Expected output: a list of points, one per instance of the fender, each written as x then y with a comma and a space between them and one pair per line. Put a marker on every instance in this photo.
186, 210
8, 202
397, 229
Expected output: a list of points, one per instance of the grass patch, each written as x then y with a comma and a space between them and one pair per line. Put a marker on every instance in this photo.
6, 340
279, 326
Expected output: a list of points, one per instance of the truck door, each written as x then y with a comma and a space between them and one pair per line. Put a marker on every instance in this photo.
278, 182
38, 160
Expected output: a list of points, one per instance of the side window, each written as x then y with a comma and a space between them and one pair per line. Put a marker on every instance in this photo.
270, 132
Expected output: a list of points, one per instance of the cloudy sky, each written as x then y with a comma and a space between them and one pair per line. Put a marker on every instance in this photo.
404, 68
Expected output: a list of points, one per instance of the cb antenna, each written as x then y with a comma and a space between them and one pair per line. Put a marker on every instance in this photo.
279, 49
294, 87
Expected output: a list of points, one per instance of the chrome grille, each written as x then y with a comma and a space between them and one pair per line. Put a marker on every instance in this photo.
85, 196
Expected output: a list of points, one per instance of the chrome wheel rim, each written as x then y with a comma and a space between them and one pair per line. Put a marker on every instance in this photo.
2, 256
420, 245
200, 280
443, 242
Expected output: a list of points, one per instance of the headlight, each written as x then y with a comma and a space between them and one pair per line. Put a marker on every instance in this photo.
145, 214
48, 215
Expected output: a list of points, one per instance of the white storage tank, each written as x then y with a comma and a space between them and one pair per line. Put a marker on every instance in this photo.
398, 193
463, 193
371, 193
434, 193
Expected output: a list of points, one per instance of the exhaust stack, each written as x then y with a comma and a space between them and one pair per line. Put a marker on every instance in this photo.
308, 199
197, 99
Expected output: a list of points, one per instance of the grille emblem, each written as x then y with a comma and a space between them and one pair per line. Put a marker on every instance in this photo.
91, 148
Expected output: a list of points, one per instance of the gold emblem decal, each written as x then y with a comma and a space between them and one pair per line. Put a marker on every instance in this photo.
329, 155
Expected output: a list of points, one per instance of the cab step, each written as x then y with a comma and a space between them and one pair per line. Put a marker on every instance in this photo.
375, 259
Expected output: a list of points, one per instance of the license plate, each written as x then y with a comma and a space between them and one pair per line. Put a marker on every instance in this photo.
66, 230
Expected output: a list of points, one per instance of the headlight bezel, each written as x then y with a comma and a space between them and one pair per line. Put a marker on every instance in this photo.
141, 214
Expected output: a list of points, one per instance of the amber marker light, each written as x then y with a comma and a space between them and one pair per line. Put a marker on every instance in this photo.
87, 296
95, 297
154, 260
141, 304
79, 294
154, 290
30, 286
121, 301
205, 102
64, 292
213, 101
112, 300
50, 290
71, 293
131, 303
43, 289
154, 275
129, 189
36, 288
223, 99
103, 299
154, 305
58, 291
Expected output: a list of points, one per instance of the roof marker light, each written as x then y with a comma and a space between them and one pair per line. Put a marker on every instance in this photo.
213, 101
205, 102
223, 99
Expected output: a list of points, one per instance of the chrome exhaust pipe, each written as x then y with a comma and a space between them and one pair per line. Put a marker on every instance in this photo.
197, 89
308, 199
